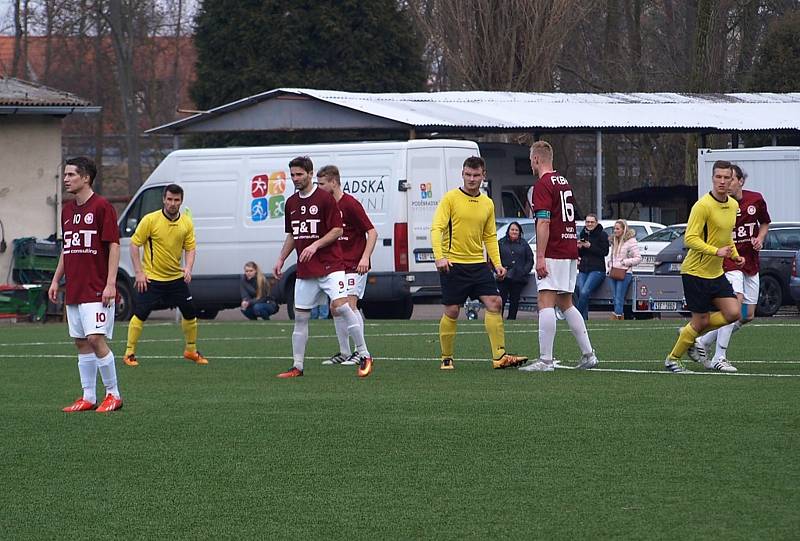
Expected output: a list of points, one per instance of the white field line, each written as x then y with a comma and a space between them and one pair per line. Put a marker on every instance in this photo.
435, 361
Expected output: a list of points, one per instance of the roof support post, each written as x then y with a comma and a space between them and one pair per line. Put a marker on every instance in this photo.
176, 141
599, 173
735, 139
412, 133
774, 139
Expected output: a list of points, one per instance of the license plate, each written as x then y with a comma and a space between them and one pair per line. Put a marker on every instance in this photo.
664, 306
648, 259
424, 257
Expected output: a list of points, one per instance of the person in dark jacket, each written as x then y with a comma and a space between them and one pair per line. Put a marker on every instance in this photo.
517, 257
592, 250
254, 290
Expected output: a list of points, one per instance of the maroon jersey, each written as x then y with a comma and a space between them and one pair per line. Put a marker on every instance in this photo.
752, 213
553, 194
309, 219
356, 224
88, 230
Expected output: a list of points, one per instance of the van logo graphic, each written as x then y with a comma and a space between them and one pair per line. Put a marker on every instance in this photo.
426, 190
267, 196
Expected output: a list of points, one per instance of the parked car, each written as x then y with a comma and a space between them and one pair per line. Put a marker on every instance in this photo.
780, 247
642, 229
794, 280
652, 244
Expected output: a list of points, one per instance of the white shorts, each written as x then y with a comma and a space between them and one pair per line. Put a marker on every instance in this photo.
744, 284
356, 284
90, 318
561, 275
310, 292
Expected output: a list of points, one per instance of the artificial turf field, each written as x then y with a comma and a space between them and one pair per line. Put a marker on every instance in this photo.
230, 451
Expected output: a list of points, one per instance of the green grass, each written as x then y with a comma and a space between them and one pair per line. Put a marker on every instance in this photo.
229, 451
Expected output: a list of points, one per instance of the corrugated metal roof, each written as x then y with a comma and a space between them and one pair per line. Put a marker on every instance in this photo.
556, 111
17, 93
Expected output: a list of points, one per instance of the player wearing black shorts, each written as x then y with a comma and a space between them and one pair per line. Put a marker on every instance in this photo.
162, 281
462, 226
709, 296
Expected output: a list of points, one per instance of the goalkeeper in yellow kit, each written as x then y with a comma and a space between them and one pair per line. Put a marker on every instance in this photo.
462, 226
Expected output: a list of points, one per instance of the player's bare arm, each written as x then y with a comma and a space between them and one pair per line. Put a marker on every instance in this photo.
286, 249
363, 264
758, 241
187, 270
52, 293
140, 280
329, 237
110, 290
542, 237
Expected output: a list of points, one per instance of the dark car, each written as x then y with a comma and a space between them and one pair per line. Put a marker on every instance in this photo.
794, 282
777, 256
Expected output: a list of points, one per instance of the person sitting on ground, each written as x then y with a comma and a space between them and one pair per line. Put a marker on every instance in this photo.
254, 290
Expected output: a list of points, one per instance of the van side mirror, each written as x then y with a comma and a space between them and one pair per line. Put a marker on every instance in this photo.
130, 225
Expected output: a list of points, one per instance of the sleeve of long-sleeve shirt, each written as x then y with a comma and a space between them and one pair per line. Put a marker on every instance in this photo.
441, 219
490, 239
693, 239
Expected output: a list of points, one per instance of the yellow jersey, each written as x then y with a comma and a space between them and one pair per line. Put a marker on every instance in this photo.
462, 226
164, 241
710, 228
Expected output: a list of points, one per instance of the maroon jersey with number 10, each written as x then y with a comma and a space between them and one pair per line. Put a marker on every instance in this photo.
309, 219
88, 230
356, 224
752, 213
553, 193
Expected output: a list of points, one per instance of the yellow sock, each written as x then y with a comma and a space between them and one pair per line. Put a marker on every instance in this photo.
685, 341
447, 335
134, 332
189, 327
715, 321
493, 321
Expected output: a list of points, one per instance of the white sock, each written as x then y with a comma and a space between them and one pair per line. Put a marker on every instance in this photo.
87, 368
547, 333
578, 328
354, 329
707, 339
341, 334
724, 338
108, 372
300, 337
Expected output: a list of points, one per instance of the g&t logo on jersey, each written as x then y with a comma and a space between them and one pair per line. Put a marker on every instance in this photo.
79, 242
305, 229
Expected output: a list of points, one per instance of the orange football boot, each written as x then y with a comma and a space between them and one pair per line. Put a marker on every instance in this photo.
111, 403
195, 356
364, 367
131, 360
79, 405
291, 373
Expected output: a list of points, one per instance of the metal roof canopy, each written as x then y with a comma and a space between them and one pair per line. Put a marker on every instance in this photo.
300, 109
19, 97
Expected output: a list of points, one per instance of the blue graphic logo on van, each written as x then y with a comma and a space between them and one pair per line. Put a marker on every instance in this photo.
258, 209
426, 190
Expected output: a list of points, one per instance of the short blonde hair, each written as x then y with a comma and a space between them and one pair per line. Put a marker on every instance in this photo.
543, 150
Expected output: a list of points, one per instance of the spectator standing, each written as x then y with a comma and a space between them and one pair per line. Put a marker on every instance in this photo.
254, 290
624, 256
592, 250
517, 258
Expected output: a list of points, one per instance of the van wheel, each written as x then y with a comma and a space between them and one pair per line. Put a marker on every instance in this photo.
290, 299
770, 297
124, 304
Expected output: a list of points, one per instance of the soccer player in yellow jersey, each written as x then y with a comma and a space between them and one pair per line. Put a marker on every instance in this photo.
462, 226
709, 295
161, 280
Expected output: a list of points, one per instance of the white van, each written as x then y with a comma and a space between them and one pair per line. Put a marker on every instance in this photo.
236, 195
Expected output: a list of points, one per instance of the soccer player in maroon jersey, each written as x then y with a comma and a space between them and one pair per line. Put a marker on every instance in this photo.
357, 243
752, 224
313, 227
556, 260
89, 261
